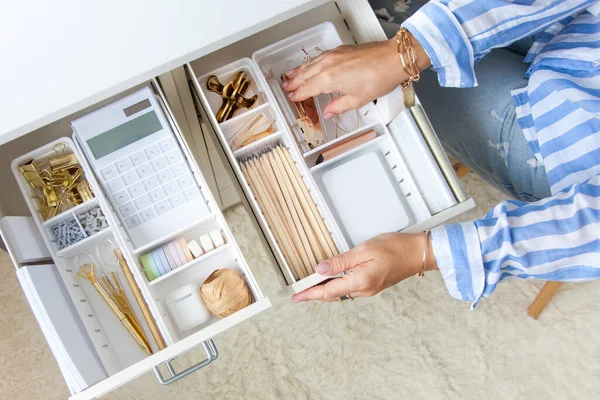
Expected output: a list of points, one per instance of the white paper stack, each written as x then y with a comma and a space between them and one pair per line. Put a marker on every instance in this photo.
62, 326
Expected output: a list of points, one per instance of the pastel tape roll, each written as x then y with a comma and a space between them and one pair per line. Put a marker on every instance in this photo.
163, 259
186, 251
180, 252
158, 262
175, 254
217, 238
207, 243
195, 248
170, 256
150, 266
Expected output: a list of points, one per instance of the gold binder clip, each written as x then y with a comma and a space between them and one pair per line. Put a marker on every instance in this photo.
233, 95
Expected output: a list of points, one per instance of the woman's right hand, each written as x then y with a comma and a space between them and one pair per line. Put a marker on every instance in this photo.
361, 73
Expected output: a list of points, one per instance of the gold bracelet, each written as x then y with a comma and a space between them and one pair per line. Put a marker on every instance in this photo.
408, 57
422, 273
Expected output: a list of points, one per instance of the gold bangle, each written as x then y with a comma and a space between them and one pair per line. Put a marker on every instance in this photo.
422, 273
408, 57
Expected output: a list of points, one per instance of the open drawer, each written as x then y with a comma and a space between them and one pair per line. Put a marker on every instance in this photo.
113, 355
410, 156
382, 184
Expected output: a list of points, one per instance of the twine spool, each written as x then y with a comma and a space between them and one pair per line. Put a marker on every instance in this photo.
225, 292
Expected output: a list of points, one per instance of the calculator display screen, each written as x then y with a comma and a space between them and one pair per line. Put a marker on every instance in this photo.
124, 135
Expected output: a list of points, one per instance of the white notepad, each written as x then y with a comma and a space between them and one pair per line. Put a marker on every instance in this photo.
61, 326
364, 198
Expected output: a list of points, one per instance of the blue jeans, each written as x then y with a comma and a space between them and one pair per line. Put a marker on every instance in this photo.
478, 125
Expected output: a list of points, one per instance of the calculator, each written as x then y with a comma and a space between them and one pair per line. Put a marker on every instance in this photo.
141, 167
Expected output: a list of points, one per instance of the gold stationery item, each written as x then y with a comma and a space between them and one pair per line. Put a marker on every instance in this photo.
289, 209
233, 94
63, 162
115, 298
225, 292
84, 191
139, 298
254, 129
57, 182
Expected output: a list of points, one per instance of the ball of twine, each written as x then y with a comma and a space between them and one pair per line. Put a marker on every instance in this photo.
225, 292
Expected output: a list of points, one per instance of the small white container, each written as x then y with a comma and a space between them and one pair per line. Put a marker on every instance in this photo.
187, 307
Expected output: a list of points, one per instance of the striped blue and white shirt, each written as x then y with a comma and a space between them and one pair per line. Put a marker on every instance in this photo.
557, 238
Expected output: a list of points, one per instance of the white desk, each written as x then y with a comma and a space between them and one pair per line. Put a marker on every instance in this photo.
61, 56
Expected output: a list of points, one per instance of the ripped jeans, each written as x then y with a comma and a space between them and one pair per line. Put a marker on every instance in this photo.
479, 127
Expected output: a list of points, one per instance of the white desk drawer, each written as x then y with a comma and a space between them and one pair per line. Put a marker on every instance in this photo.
400, 145
119, 359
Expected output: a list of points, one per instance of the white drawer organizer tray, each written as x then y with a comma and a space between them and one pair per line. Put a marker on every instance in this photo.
360, 193
115, 348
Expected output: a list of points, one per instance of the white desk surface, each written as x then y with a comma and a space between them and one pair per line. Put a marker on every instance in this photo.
57, 57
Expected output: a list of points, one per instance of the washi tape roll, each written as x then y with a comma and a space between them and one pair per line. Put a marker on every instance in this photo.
150, 267
207, 243
163, 259
146, 266
170, 256
217, 238
195, 248
158, 262
180, 253
175, 254
188, 254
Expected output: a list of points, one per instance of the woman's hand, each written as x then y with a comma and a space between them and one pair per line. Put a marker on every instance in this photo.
371, 267
361, 73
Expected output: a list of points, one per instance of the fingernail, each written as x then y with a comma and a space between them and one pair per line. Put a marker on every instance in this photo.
290, 95
284, 84
327, 116
323, 268
297, 300
290, 73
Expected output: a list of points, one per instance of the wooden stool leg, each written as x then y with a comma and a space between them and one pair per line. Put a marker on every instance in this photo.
543, 298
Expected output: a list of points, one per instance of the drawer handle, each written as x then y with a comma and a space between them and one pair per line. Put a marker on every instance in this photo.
211, 355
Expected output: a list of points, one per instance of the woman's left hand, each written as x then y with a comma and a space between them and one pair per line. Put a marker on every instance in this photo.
370, 267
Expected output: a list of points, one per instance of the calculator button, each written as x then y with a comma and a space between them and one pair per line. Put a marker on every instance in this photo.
178, 169
123, 166
114, 185
133, 221
109, 173
164, 176
191, 193
141, 202
167, 145
136, 190
129, 178
176, 201
171, 188
150, 183
137, 159
156, 195
162, 207
173, 157
158, 164
185, 181
152, 152
127, 210
120, 198
147, 214
144, 171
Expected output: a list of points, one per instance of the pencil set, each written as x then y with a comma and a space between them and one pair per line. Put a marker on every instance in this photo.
289, 209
